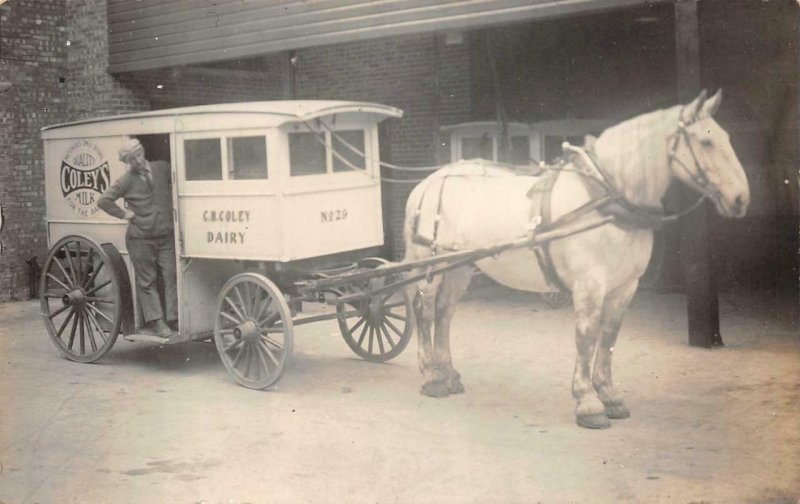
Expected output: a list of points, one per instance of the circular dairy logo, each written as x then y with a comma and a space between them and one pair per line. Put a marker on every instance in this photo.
84, 176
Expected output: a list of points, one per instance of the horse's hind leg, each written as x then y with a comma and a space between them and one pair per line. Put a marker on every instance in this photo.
454, 285
616, 303
588, 296
433, 377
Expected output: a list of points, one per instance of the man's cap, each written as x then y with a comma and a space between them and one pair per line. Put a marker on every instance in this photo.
129, 147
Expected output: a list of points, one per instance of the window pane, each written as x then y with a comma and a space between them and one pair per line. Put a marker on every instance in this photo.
482, 147
306, 154
356, 139
248, 158
520, 150
203, 159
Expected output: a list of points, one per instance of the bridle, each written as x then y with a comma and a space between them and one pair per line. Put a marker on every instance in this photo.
698, 176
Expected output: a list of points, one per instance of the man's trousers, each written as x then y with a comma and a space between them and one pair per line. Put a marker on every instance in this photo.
153, 258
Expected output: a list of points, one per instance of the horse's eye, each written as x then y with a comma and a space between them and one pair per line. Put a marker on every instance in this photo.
706, 142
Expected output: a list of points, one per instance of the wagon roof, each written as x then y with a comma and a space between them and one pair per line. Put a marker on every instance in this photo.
280, 112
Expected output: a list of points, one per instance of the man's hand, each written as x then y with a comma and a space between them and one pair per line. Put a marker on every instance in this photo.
129, 215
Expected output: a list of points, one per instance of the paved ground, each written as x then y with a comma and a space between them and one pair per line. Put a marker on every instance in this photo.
153, 425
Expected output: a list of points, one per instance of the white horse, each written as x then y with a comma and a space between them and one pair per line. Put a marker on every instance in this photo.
622, 176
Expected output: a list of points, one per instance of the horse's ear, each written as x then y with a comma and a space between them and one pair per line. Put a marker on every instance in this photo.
711, 105
692, 110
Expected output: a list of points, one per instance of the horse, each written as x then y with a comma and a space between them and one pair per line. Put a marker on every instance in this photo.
609, 193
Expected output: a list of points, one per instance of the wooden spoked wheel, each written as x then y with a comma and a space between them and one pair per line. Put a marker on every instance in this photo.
253, 330
81, 299
380, 328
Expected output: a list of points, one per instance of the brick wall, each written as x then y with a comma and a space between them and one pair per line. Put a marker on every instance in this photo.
32, 34
419, 74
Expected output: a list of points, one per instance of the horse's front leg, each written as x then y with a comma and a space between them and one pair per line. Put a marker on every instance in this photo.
588, 297
454, 285
614, 308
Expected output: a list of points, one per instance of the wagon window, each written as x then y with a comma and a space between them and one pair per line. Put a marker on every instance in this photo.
356, 140
248, 158
306, 154
520, 150
203, 159
482, 147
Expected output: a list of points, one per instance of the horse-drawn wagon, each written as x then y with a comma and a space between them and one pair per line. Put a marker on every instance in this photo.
278, 203
264, 197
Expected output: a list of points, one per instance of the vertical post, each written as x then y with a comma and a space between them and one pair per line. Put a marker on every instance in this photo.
702, 297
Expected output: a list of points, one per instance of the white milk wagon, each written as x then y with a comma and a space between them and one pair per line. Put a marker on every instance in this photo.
268, 198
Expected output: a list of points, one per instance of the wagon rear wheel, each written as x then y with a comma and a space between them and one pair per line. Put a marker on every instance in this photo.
81, 299
253, 330
380, 329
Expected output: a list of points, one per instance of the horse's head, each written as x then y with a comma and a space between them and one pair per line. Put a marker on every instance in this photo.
702, 157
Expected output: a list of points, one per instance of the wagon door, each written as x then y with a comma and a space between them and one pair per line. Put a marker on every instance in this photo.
228, 211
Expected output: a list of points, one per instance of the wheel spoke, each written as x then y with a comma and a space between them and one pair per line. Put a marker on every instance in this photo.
83, 335
379, 337
235, 308
93, 276
363, 333
371, 338
265, 337
247, 361
242, 302
97, 288
80, 265
262, 345
72, 332
396, 316
69, 260
396, 304
89, 331
239, 354
232, 345
59, 282
96, 324
63, 271
95, 299
269, 318
54, 295
393, 327
230, 317
357, 325
97, 311
64, 324
59, 311
85, 274
392, 344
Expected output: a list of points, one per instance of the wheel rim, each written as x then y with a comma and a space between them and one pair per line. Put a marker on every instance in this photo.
80, 299
253, 330
380, 330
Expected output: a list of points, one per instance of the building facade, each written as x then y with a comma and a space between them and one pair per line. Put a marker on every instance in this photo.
443, 63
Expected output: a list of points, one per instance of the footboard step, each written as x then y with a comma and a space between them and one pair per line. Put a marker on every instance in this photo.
150, 338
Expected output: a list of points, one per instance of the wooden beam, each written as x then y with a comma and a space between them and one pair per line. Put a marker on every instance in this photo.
702, 297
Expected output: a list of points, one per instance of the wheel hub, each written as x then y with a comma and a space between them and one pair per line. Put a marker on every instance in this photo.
74, 297
248, 330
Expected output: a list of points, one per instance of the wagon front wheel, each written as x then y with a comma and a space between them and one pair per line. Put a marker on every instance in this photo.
81, 299
253, 330
376, 328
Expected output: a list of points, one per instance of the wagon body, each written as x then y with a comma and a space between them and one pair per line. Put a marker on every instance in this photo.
270, 186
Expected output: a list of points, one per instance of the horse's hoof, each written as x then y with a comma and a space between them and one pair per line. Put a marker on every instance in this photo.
617, 411
435, 389
598, 421
455, 386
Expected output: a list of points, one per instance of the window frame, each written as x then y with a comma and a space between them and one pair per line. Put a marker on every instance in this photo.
227, 185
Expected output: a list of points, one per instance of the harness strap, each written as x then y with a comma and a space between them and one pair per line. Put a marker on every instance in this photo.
540, 195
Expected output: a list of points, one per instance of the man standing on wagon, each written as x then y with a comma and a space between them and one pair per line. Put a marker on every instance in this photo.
146, 190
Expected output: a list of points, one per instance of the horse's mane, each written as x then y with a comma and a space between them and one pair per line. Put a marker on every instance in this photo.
634, 152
